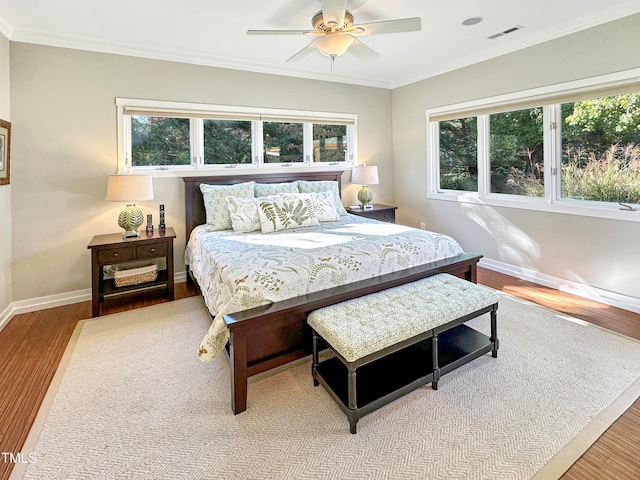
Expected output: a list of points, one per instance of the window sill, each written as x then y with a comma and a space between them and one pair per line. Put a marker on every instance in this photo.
567, 207
211, 170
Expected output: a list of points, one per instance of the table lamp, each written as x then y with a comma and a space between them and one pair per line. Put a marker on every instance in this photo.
365, 176
130, 188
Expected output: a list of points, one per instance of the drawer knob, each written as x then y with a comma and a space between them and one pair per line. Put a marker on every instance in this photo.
153, 250
116, 254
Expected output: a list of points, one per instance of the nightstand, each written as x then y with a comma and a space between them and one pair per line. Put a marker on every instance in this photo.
113, 249
384, 213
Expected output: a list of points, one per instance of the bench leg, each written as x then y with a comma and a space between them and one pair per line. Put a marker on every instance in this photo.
315, 363
494, 334
434, 360
353, 399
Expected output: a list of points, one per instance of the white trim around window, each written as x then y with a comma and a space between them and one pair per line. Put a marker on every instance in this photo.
550, 98
197, 112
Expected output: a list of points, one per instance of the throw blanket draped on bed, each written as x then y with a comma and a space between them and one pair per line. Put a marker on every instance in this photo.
241, 271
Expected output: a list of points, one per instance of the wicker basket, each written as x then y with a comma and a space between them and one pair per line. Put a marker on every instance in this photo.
135, 276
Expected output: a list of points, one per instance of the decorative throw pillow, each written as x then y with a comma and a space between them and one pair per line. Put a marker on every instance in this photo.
324, 186
264, 189
244, 213
281, 214
321, 204
215, 205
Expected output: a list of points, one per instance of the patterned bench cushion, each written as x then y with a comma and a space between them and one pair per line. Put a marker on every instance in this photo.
368, 324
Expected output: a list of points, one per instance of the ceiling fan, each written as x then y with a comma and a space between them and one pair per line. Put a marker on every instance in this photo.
336, 32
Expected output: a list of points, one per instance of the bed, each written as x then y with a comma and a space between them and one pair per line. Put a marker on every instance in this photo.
259, 288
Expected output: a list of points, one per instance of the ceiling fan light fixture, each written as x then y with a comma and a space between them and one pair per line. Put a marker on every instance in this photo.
333, 45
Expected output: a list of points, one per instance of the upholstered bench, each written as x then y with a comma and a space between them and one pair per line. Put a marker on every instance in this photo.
389, 343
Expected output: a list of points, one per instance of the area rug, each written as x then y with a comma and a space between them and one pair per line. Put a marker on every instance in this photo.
132, 400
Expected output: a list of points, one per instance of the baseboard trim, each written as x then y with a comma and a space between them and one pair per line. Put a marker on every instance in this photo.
58, 300
6, 315
580, 289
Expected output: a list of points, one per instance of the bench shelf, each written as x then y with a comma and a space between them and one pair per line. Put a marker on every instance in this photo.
394, 375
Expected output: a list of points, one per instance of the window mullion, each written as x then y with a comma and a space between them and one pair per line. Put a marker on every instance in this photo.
257, 143
197, 142
307, 143
484, 160
551, 151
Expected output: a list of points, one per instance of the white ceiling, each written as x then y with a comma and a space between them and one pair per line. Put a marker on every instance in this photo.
213, 32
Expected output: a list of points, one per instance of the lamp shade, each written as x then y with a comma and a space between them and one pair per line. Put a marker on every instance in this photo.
129, 188
365, 175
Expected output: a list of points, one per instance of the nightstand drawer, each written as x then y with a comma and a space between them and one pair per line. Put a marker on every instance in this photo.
152, 250
385, 217
120, 254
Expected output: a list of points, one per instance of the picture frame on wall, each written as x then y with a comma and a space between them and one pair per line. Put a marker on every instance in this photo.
5, 151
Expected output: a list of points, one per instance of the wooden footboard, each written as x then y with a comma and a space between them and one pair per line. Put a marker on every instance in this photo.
271, 335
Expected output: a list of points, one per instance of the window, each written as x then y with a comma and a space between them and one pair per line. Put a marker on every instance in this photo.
330, 143
227, 142
177, 136
459, 154
159, 141
283, 142
572, 148
516, 153
601, 149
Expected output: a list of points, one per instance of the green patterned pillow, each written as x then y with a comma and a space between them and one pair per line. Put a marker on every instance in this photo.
215, 205
281, 214
244, 213
321, 204
264, 189
324, 186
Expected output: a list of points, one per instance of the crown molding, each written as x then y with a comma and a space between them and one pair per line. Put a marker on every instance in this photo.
5, 28
87, 44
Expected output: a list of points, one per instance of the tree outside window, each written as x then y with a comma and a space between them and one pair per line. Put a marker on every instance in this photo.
160, 141
283, 142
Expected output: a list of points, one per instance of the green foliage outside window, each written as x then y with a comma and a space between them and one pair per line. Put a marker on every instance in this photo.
283, 142
516, 152
459, 154
160, 141
600, 151
227, 142
329, 143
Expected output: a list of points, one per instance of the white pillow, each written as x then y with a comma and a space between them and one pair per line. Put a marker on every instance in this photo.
215, 205
321, 204
281, 214
244, 213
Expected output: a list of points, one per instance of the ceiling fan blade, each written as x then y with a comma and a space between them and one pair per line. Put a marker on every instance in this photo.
280, 32
309, 49
390, 26
333, 12
362, 52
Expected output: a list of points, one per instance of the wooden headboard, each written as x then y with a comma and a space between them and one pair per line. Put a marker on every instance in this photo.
194, 204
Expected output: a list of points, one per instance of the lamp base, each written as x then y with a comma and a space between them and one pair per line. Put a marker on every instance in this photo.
130, 219
365, 196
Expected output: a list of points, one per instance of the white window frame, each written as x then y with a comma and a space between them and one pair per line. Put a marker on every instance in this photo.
552, 200
199, 110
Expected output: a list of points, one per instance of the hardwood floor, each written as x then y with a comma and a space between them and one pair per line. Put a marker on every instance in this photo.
32, 344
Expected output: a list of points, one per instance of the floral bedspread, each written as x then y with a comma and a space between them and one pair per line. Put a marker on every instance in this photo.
239, 271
